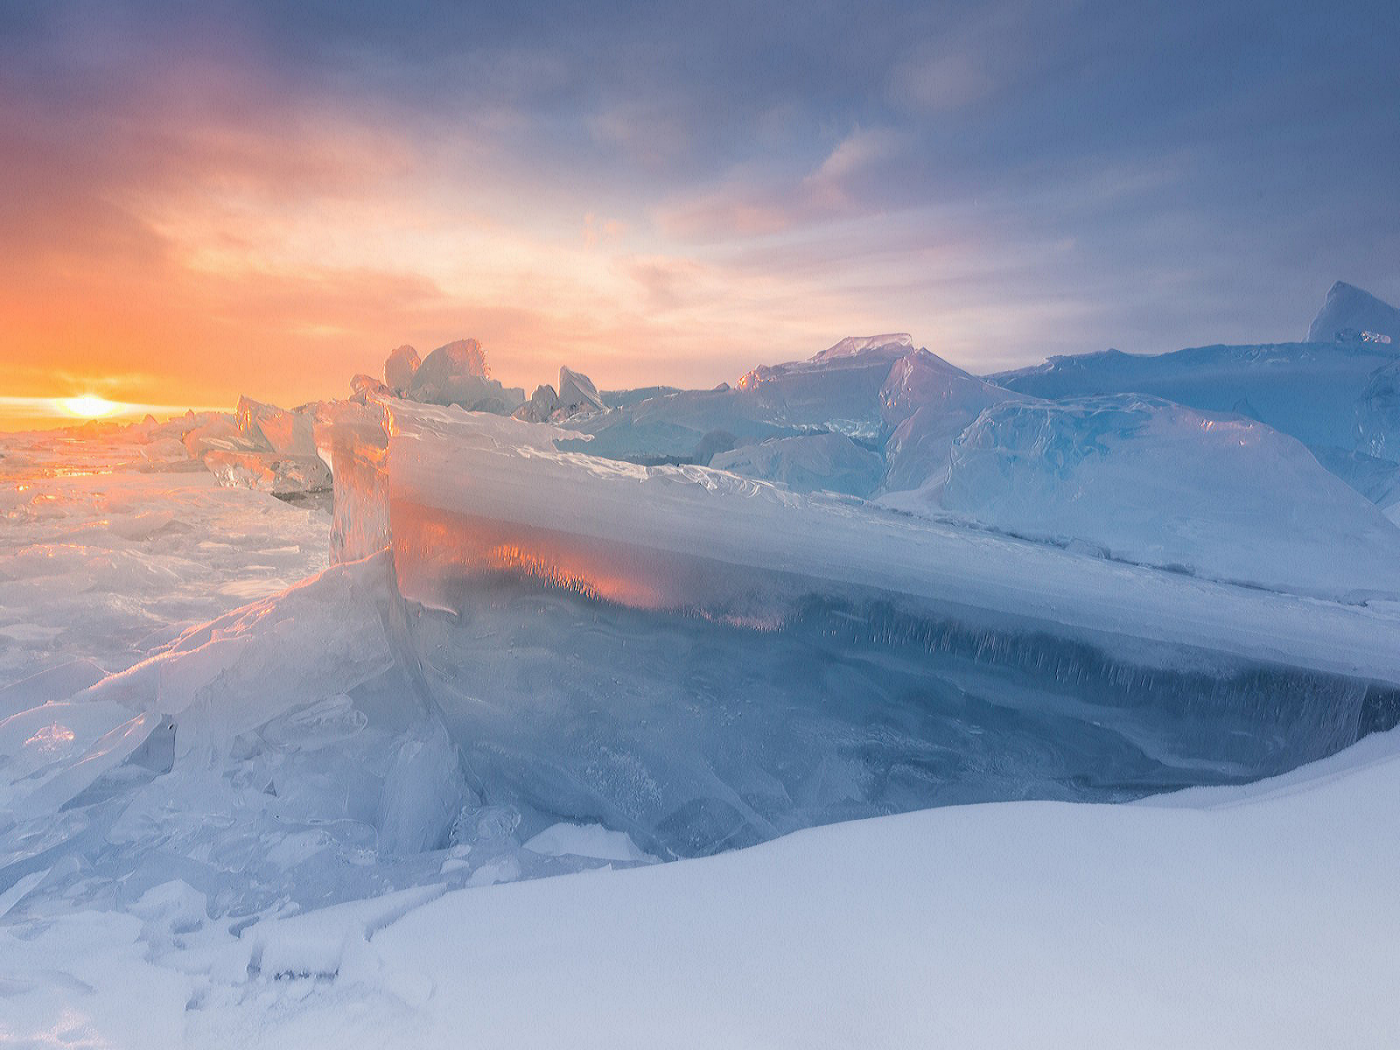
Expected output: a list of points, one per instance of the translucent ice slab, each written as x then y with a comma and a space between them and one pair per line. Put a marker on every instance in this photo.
705, 661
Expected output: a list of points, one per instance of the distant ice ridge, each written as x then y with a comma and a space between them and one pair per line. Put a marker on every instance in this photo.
1353, 315
1328, 392
1156, 483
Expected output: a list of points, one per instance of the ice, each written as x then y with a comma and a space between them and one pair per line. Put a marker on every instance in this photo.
1353, 315
926, 403
423, 793
820, 660
364, 387
1378, 414
836, 391
50, 755
456, 374
399, 369
220, 433
685, 427
57, 683
1307, 390
106, 554
894, 344
543, 403
577, 394
284, 824
830, 462
272, 472
680, 659
352, 440
287, 433
1156, 483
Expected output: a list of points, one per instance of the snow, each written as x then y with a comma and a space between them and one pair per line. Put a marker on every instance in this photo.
1254, 917
585, 840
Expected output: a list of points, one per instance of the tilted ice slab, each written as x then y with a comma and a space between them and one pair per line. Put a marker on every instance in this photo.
1308, 390
1149, 481
705, 661
836, 390
511, 472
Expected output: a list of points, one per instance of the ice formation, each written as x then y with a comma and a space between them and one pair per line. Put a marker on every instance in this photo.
1152, 482
645, 625
577, 396
832, 462
1307, 390
1353, 315
1324, 392
399, 369
577, 393
1378, 414
456, 374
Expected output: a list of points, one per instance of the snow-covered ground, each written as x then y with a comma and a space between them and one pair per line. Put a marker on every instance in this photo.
1243, 917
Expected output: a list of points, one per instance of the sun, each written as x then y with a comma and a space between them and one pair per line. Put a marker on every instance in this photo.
88, 406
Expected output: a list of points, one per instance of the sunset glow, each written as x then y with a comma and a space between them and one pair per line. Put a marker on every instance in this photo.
264, 199
89, 406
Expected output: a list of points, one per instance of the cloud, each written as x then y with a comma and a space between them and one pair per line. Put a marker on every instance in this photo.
274, 194
845, 183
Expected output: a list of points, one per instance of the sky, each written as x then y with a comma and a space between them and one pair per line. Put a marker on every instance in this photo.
198, 201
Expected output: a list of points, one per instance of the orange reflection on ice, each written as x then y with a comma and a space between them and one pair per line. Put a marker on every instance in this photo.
432, 548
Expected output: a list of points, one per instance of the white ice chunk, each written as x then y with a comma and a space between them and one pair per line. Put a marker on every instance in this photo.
586, 840
288, 433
